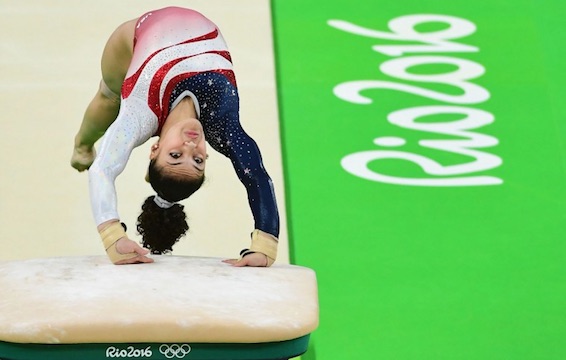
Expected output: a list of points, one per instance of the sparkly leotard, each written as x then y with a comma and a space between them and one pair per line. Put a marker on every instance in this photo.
179, 53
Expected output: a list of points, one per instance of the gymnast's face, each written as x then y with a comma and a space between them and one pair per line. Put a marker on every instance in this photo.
182, 149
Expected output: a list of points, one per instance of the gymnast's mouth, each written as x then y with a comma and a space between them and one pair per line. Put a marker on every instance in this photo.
192, 134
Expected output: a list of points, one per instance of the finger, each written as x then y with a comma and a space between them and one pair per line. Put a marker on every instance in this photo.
145, 259
135, 260
240, 263
129, 246
236, 262
139, 250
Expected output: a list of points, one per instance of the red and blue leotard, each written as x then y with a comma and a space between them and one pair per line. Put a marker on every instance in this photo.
179, 53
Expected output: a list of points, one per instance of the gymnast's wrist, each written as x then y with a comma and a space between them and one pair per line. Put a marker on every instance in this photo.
264, 243
110, 234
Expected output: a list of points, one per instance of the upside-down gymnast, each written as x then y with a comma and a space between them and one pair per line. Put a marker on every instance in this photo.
175, 78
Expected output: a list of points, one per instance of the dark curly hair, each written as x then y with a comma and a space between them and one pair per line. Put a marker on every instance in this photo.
161, 228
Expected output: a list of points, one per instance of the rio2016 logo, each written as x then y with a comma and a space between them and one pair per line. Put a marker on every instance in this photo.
467, 142
129, 352
170, 351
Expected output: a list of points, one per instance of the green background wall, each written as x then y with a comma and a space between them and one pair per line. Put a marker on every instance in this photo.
428, 272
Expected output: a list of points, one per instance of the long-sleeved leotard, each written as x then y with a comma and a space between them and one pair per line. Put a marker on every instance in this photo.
179, 53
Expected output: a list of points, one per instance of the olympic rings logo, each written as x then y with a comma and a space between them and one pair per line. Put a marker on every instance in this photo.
175, 350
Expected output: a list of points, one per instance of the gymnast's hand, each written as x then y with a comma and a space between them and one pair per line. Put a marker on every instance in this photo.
127, 246
255, 259
83, 157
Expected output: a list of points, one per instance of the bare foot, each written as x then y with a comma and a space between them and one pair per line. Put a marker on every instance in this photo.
83, 158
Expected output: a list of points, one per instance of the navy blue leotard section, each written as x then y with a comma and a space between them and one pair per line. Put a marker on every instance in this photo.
218, 102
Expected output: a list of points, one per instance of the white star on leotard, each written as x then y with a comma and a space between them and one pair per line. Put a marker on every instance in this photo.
210, 82
247, 171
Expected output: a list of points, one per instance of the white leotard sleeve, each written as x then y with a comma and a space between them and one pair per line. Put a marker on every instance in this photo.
134, 125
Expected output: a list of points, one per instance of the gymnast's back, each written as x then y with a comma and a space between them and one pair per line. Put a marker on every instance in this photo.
137, 41
173, 26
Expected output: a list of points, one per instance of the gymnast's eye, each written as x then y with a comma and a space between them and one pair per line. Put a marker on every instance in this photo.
175, 155
198, 160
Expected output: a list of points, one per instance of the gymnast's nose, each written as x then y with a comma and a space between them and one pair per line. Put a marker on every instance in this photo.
190, 144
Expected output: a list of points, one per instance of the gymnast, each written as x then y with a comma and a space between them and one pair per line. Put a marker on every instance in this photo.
175, 78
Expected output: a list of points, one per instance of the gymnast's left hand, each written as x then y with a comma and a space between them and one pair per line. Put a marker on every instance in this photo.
256, 259
126, 246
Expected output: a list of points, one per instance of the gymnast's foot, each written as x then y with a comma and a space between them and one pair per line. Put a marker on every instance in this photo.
83, 157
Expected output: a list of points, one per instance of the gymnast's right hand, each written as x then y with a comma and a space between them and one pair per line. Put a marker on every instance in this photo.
83, 157
119, 248
125, 247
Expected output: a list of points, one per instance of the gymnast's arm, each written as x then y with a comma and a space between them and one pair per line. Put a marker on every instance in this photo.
102, 118
246, 159
126, 133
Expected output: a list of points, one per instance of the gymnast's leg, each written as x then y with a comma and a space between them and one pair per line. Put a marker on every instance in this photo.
100, 113
103, 108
